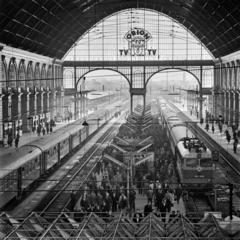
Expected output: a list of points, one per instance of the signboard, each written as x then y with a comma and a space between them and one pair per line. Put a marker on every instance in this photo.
215, 214
137, 43
215, 155
199, 155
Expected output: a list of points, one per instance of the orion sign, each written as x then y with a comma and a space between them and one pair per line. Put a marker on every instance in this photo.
137, 43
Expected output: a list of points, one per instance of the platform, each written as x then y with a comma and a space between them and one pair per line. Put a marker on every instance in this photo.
27, 138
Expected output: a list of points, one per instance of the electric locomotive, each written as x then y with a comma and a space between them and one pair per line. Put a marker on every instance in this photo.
193, 160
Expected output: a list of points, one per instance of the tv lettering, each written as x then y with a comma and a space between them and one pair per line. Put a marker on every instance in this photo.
137, 43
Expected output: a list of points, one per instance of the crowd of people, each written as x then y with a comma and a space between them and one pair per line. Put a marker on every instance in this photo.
106, 191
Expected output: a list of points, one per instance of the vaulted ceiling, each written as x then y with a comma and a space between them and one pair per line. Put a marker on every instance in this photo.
51, 27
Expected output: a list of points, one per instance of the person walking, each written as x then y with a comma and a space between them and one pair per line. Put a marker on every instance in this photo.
10, 139
132, 197
234, 147
43, 131
38, 130
16, 142
148, 208
207, 127
73, 201
163, 209
228, 138
114, 201
213, 129
178, 192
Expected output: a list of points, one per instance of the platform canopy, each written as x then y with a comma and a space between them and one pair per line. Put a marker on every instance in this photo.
51, 28
118, 226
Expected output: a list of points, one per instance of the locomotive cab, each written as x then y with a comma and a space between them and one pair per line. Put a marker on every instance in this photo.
194, 162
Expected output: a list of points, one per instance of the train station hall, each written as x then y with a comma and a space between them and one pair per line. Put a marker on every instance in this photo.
119, 119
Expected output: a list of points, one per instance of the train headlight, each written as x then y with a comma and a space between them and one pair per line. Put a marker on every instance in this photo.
209, 180
189, 180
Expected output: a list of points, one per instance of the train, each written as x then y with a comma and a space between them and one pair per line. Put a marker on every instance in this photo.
20, 168
193, 160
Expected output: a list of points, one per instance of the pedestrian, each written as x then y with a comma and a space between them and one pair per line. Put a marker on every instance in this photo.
201, 121
132, 197
207, 127
10, 139
43, 131
73, 201
47, 129
148, 208
137, 217
234, 135
228, 138
68, 118
38, 131
16, 142
114, 201
18, 135
163, 209
178, 192
169, 200
213, 129
51, 129
234, 147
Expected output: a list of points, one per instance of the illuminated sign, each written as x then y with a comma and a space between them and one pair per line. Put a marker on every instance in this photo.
137, 43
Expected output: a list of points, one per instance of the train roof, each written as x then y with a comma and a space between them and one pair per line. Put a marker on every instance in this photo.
167, 113
114, 106
49, 140
192, 153
179, 132
15, 159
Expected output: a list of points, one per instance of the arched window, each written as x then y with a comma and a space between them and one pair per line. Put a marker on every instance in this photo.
21, 75
68, 79
54, 83
4, 76
238, 74
138, 79
29, 82
228, 80
232, 75
224, 75
43, 76
49, 76
151, 36
37, 76
208, 78
12, 75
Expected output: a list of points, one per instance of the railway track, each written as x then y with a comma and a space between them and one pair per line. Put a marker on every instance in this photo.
58, 199
202, 203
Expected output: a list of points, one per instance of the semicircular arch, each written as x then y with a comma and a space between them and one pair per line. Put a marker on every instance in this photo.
164, 69
98, 69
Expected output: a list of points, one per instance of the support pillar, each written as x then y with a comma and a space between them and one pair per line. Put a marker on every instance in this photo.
200, 94
231, 107
227, 106
25, 102
144, 102
131, 103
237, 109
